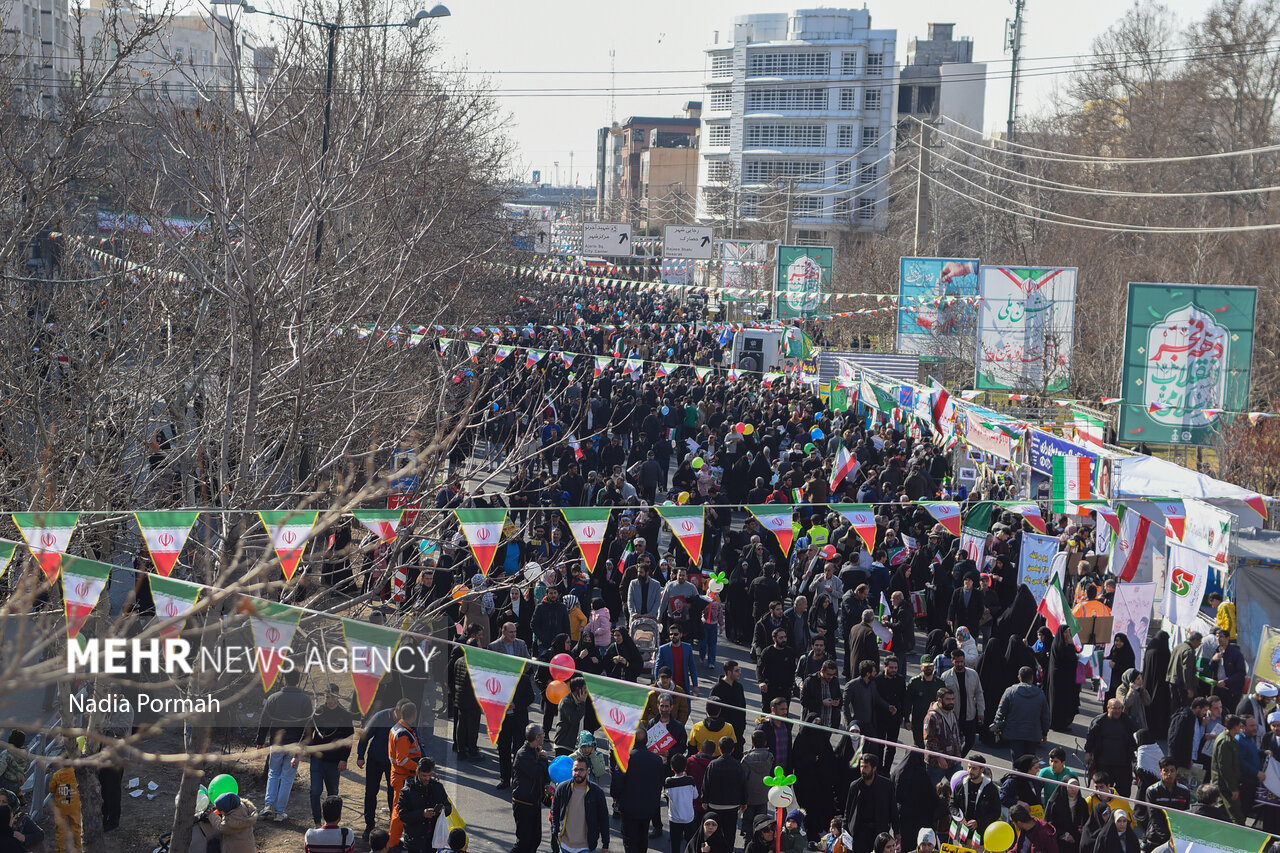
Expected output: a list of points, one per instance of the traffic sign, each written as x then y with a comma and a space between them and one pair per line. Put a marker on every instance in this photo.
541, 234
689, 242
606, 238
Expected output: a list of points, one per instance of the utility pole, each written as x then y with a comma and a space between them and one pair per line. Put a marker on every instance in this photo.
571, 181
915, 244
1013, 33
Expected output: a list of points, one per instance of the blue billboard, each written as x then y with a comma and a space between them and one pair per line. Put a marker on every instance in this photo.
937, 313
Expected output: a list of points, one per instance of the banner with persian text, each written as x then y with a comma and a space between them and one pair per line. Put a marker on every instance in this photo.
1026, 320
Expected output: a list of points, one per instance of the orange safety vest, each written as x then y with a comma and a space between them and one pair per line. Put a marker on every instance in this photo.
403, 749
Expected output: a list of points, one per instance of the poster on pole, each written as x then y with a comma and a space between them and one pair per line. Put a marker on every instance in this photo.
1131, 614
1035, 563
937, 311
803, 278
1188, 353
1026, 320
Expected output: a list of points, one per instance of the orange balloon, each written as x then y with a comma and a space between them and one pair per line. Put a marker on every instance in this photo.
460, 590
556, 691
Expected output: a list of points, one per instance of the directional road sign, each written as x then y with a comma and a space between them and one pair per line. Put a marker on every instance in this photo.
688, 242
606, 238
540, 232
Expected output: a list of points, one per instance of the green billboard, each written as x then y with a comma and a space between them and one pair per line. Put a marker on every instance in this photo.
1188, 350
803, 277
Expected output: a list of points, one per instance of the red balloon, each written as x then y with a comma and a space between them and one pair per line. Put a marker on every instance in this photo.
829, 552
562, 667
739, 427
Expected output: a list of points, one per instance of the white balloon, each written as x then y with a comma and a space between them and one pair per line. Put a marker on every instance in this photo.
781, 797
532, 572
714, 587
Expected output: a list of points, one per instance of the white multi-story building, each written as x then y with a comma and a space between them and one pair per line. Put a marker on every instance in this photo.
36, 38
798, 118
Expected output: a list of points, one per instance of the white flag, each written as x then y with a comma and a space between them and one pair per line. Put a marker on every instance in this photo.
1188, 572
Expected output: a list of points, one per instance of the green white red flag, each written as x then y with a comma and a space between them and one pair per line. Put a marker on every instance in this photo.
1089, 428
946, 513
686, 523
500, 354
473, 351
1134, 546
777, 519
494, 678
845, 467
1028, 510
587, 524
289, 531
602, 362
532, 357
1056, 610
863, 519
274, 626
7, 550
483, 529
47, 535
618, 706
165, 533
82, 584
370, 650
174, 600
382, 523
1175, 516
702, 373
1194, 834
1071, 478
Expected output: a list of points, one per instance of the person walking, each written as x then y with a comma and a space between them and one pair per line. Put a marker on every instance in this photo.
1224, 770
403, 753
580, 814
466, 734
637, 791
517, 716
284, 718
423, 803
775, 672
970, 703
1022, 717
1183, 674
372, 758
330, 724
725, 786
942, 733
1109, 746
530, 785
922, 692
678, 656
870, 808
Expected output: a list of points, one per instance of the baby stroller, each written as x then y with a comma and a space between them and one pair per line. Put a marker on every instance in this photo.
644, 631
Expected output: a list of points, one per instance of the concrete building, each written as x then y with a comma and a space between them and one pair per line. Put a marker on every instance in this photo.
941, 79
618, 158
668, 186
798, 124
37, 34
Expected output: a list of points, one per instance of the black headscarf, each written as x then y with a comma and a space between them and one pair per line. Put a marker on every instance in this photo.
1122, 660
1064, 692
1155, 669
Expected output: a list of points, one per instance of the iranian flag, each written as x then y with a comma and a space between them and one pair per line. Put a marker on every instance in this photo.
1055, 608
602, 362
494, 677
173, 599
1071, 478
702, 373
1175, 517
82, 584
777, 519
370, 649
289, 531
274, 625
501, 354
1134, 546
587, 524
863, 519
618, 705
166, 533
382, 523
686, 524
1089, 428
483, 529
1028, 510
1194, 834
532, 357
947, 513
473, 351
664, 368
47, 535
7, 550
443, 344
844, 468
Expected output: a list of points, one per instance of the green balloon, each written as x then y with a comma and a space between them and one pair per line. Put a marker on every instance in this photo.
223, 784
697, 463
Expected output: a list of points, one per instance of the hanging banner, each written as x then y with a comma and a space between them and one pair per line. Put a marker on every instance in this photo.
1188, 353
1035, 563
618, 706
382, 523
936, 307
803, 278
1042, 447
1188, 572
274, 625
1131, 616
47, 535
371, 649
686, 523
82, 584
1026, 321
1266, 666
1207, 529
494, 678
1134, 546
863, 519
173, 598
587, 524
483, 529
7, 550
165, 534
993, 441
289, 530
777, 519
973, 536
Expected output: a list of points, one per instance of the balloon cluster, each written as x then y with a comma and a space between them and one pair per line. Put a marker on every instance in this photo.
562, 669
716, 582
743, 428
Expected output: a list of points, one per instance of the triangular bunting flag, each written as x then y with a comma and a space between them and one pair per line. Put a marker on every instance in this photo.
686, 523
587, 524
602, 362
1175, 516
777, 518
532, 357
165, 533
483, 529
702, 373
494, 678
1193, 834
274, 625
443, 344
500, 354
618, 706
7, 550
173, 598
82, 584
371, 649
863, 519
473, 350
289, 531
47, 535
947, 514
1028, 510
382, 523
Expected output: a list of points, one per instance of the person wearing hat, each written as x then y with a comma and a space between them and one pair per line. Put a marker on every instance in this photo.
762, 831
597, 765
235, 820
922, 691
1259, 704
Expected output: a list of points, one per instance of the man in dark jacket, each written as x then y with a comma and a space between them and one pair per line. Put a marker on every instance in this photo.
550, 618
1022, 717
1109, 746
776, 671
284, 716
729, 692
864, 705
423, 801
870, 807
724, 787
902, 622
373, 743
975, 802
637, 793
863, 644
967, 605
892, 688
1183, 672
1166, 794
1186, 733
529, 786
585, 827
922, 691
1227, 669
820, 695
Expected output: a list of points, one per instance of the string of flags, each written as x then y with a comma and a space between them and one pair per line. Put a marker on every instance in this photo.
1149, 408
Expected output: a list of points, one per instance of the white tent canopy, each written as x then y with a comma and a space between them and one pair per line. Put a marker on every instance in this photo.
1147, 476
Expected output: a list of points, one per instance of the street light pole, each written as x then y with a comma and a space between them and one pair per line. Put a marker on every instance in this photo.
324, 134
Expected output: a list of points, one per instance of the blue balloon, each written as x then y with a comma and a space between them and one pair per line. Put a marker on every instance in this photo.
815, 433
666, 410
561, 769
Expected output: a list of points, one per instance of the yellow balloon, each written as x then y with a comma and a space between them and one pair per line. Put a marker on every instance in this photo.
748, 429
998, 837
682, 498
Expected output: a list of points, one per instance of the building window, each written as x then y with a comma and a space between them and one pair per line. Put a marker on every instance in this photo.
809, 237
870, 137
842, 206
848, 100
790, 64
721, 102
875, 65
849, 63
722, 65
844, 172
718, 171
786, 136
867, 172
844, 136
871, 100
750, 206
774, 100
765, 171
866, 209
717, 134
807, 205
